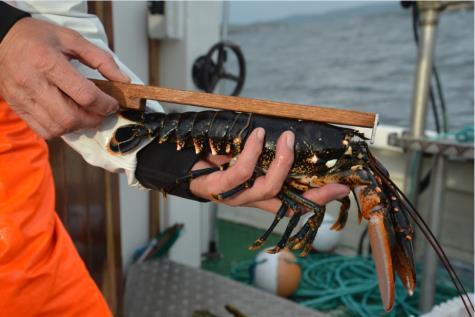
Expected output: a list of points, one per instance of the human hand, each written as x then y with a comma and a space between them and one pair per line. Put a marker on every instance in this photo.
263, 193
43, 88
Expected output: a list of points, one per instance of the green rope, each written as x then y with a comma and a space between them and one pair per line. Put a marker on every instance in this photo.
349, 285
464, 135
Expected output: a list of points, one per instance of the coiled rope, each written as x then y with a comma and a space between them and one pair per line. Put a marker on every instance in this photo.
348, 285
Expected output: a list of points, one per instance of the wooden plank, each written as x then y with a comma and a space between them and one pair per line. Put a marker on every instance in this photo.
133, 96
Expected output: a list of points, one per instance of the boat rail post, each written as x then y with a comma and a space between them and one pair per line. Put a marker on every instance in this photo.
429, 13
428, 22
429, 272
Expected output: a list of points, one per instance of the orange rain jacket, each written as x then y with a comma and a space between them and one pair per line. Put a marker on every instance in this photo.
41, 273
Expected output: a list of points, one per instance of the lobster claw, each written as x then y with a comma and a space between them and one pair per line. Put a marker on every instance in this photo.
403, 250
381, 248
404, 263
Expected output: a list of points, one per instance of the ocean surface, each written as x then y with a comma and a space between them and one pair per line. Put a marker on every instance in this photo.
362, 59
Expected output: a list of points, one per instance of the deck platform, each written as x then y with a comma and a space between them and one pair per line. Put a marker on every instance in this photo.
163, 288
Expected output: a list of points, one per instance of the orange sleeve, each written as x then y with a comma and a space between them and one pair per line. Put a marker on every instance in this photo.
41, 273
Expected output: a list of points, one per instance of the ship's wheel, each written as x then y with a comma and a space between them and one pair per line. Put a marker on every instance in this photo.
209, 70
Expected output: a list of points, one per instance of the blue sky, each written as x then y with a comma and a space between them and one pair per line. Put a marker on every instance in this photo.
245, 12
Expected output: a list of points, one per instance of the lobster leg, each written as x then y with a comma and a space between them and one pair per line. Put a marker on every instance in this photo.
298, 199
278, 216
306, 235
203, 171
360, 213
343, 215
235, 190
197, 173
314, 223
296, 242
294, 220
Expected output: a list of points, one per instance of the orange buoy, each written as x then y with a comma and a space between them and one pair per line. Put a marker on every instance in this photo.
277, 273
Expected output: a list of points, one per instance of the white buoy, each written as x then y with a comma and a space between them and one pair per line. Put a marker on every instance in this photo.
277, 273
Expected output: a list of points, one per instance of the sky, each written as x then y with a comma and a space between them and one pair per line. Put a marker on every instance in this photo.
245, 12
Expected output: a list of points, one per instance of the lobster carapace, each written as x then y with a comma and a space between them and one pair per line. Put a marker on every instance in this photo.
324, 154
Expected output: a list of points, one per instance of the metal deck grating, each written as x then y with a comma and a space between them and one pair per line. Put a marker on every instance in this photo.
164, 288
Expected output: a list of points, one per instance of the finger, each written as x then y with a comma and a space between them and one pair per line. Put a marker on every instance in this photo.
200, 165
54, 111
65, 115
327, 193
270, 205
36, 116
21, 98
47, 125
84, 118
80, 89
35, 125
268, 186
95, 57
218, 159
243, 169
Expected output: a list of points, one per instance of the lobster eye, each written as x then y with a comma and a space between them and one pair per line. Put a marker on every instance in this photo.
128, 137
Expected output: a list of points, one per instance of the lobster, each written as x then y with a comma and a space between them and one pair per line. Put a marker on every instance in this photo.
324, 154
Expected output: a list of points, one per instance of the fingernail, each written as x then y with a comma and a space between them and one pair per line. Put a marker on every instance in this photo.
290, 139
113, 109
261, 133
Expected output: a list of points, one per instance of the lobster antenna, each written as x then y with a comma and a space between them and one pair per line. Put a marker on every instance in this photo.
433, 241
430, 238
443, 257
438, 249
411, 210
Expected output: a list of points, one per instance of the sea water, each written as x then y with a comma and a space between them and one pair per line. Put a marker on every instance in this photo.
362, 59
